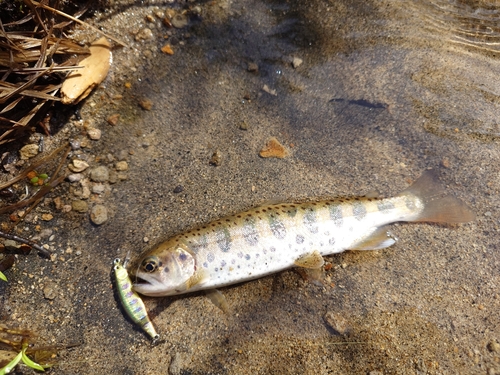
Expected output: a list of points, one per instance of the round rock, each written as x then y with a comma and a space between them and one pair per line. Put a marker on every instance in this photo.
99, 214
79, 206
99, 174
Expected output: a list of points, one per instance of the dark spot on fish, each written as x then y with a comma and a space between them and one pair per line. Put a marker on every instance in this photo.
182, 257
222, 264
205, 265
331, 241
210, 257
299, 239
247, 256
272, 250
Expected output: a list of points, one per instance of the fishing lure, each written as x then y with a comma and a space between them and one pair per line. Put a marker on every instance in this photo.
131, 302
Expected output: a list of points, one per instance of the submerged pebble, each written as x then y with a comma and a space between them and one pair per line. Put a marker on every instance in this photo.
99, 174
273, 149
99, 214
79, 205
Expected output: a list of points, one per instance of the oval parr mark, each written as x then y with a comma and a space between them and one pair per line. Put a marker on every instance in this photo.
359, 210
310, 221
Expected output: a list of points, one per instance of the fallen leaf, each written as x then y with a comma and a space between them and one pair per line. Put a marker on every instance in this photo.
79, 84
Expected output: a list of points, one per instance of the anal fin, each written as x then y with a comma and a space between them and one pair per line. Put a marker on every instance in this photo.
312, 260
380, 238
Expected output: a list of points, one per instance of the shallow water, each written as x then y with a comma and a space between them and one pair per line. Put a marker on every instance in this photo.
385, 91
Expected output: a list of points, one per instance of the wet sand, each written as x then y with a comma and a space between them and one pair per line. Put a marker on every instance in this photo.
384, 92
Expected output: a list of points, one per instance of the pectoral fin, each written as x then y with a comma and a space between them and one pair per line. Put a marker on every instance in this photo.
380, 238
218, 299
312, 260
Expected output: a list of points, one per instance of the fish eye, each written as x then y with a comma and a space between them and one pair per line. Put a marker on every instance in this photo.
150, 264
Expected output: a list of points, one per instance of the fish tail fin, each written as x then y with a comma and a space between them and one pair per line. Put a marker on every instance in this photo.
438, 207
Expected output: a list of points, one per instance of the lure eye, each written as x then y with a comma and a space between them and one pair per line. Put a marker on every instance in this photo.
150, 264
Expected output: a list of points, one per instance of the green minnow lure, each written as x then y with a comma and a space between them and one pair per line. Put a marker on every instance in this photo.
268, 239
131, 302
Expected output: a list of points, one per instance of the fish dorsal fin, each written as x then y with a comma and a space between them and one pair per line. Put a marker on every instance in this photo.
312, 260
380, 238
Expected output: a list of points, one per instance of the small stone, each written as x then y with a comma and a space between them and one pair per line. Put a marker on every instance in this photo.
150, 18
99, 214
78, 166
215, 160
145, 239
243, 125
296, 62
446, 162
58, 203
98, 188
28, 151
113, 119
375, 372
94, 134
99, 174
144, 34
113, 177
252, 67
273, 149
74, 177
47, 217
49, 291
121, 166
179, 21
336, 322
267, 89
146, 104
493, 346
167, 49
79, 205
178, 189
75, 145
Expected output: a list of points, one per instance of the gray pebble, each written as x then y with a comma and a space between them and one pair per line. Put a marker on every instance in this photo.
99, 174
98, 188
79, 206
75, 177
49, 291
178, 189
99, 214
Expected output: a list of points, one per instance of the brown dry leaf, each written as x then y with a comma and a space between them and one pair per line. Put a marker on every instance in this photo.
79, 84
273, 149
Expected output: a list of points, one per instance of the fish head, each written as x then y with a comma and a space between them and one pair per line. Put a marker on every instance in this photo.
165, 270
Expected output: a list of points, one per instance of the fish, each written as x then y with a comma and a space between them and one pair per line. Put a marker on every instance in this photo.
131, 301
275, 237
